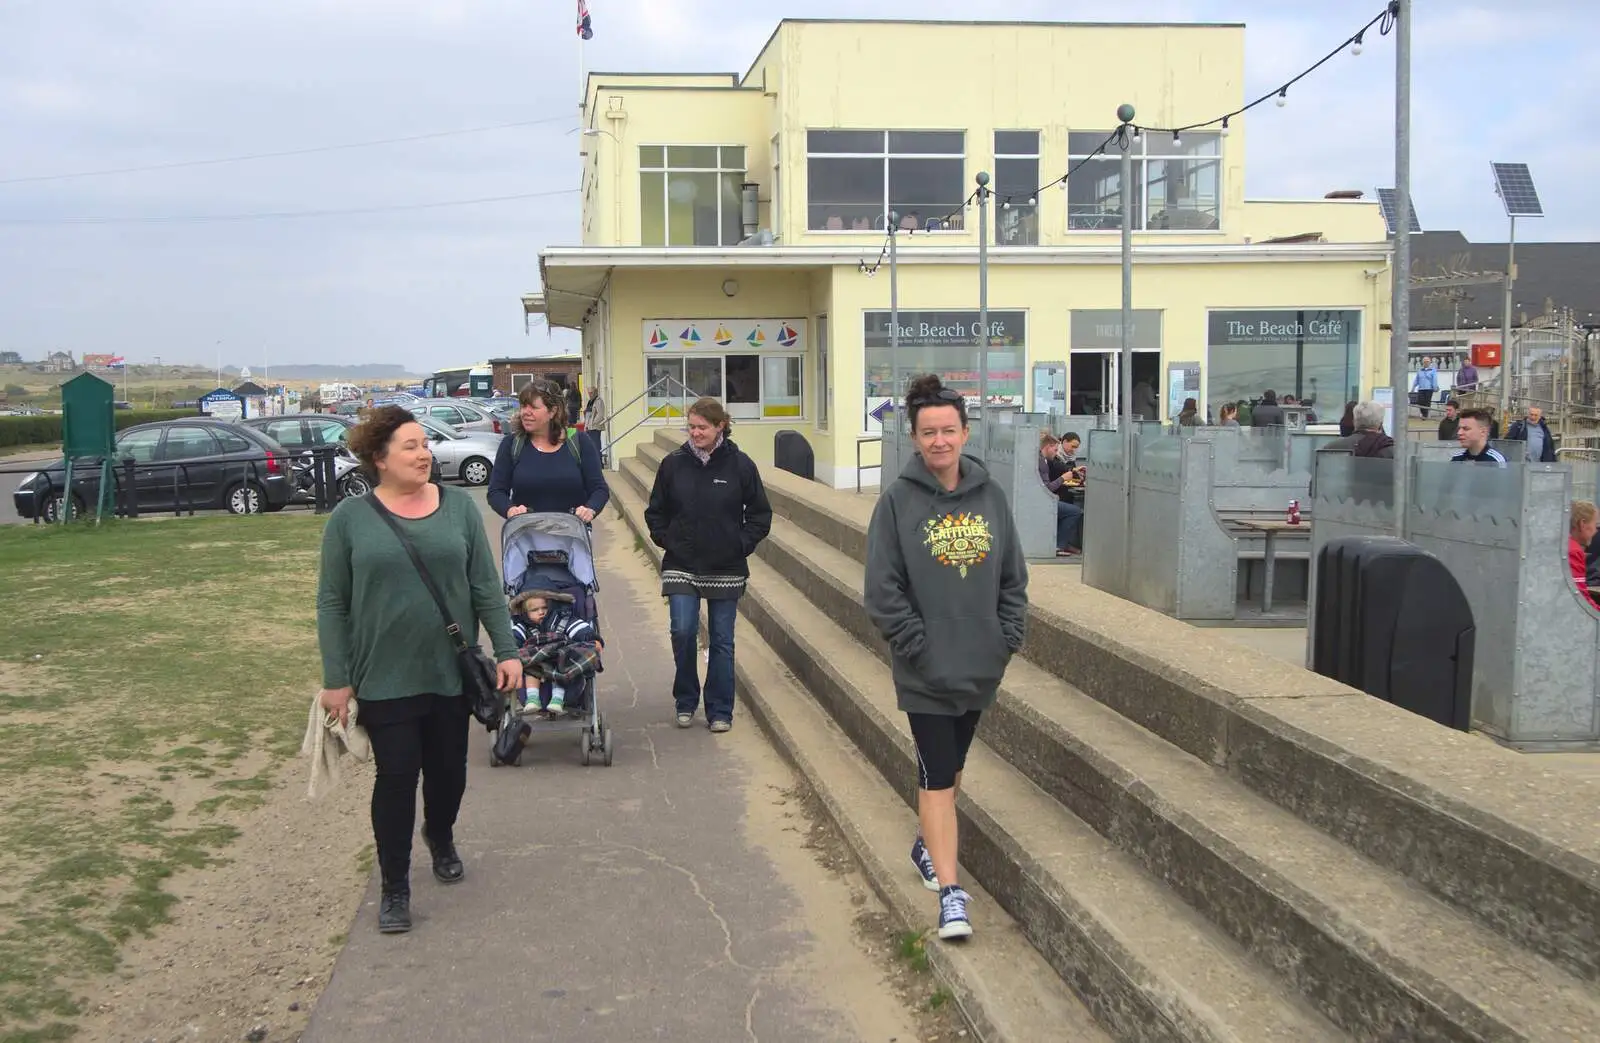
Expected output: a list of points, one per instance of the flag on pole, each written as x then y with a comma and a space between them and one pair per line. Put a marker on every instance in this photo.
585, 30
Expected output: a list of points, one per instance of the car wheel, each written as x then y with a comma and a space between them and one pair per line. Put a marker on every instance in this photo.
356, 484
244, 498
475, 471
52, 507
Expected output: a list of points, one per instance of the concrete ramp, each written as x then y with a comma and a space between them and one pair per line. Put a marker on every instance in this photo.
1177, 838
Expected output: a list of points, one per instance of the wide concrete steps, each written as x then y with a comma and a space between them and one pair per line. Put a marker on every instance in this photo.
1004, 986
1374, 951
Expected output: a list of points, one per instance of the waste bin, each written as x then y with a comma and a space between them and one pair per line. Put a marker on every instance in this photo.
791, 452
1392, 621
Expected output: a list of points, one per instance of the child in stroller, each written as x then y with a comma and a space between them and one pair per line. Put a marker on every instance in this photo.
558, 650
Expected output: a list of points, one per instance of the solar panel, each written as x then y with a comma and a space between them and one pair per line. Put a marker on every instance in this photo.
1386, 201
1515, 187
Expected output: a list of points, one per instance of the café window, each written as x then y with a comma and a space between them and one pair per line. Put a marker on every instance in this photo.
1016, 180
1313, 354
1177, 182
754, 366
689, 195
946, 343
856, 177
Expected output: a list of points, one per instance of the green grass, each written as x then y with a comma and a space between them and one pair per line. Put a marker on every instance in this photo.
152, 680
939, 998
911, 947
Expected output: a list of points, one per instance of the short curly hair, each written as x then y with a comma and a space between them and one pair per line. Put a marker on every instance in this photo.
370, 439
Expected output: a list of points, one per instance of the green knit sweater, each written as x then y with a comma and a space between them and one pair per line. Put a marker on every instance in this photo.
379, 630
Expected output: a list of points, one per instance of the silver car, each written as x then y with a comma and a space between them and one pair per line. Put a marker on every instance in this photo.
459, 414
467, 455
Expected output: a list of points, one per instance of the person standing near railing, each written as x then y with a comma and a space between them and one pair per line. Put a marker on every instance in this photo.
594, 422
1424, 384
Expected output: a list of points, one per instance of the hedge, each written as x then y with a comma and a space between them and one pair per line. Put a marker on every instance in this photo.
45, 429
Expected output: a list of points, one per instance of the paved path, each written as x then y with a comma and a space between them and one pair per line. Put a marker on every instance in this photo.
667, 897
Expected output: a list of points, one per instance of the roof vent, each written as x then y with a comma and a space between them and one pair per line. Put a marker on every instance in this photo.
1345, 193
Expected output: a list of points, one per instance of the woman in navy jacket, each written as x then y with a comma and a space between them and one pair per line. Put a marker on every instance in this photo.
708, 511
539, 468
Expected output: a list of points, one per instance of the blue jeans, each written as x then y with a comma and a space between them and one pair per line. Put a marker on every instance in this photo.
684, 613
1069, 525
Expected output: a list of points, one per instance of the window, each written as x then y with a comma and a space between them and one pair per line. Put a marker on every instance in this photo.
233, 442
1177, 183
824, 378
1016, 179
140, 445
752, 387
285, 432
1311, 353
856, 177
689, 195
188, 443
447, 415
328, 432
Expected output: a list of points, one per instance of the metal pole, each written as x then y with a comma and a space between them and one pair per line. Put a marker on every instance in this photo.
1125, 115
897, 387
983, 312
1506, 371
1400, 326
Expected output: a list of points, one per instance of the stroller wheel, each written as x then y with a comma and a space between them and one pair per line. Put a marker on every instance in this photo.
583, 748
605, 747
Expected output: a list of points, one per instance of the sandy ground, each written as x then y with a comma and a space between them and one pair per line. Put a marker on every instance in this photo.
252, 942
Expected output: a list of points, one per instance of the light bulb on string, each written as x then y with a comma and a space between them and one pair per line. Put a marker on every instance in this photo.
1006, 205
1355, 45
1177, 139
1283, 97
1033, 201
1224, 126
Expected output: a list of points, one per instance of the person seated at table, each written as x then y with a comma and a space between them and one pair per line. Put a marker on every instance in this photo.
1581, 534
1058, 477
1068, 453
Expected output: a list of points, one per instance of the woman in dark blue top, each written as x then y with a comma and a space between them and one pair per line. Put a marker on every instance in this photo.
539, 469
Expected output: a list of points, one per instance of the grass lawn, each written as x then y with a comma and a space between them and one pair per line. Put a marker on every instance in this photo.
153, 677
17, 450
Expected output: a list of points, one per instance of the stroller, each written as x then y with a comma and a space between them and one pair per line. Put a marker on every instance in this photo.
553, 552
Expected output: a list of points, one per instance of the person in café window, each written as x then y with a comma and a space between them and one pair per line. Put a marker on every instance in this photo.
1228, 416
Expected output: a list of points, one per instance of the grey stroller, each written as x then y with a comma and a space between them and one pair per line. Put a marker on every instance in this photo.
553, 552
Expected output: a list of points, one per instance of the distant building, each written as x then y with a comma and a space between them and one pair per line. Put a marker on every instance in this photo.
59, 362
511, 374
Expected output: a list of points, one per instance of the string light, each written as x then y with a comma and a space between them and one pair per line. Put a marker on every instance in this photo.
1124, 136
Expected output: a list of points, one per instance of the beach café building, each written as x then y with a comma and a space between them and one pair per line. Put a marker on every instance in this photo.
734, 234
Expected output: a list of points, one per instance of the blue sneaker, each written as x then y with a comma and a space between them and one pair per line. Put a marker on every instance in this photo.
924, 863
953, 921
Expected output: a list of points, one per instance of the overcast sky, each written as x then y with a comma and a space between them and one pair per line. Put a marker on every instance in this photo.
119, 262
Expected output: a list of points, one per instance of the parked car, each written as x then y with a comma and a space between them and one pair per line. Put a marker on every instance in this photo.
502, 406
460, 413
199, 463
302, 432
467, 455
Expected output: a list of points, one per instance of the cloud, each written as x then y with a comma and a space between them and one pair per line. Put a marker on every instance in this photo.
94, 86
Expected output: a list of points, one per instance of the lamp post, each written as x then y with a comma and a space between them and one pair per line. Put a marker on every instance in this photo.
896, 378
983, 311
1400, 324
1125, 114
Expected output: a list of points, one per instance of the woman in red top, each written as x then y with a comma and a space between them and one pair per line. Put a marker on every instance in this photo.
1581, 535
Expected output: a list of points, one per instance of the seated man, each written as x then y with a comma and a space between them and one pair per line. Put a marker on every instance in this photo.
1058, 476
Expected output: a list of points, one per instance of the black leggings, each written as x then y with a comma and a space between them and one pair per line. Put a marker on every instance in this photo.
942, 744
426, 735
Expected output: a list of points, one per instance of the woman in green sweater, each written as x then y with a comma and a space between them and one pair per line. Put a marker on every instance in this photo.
384, 644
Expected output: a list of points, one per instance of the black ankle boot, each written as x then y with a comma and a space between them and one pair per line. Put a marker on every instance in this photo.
447, 865
394, 909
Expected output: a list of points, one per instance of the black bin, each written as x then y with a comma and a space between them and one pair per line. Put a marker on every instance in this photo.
1393, 622
791, 452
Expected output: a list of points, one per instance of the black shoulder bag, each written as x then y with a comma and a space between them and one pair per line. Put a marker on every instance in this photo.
479, 674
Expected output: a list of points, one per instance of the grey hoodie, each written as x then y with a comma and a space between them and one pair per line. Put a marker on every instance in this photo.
947, 586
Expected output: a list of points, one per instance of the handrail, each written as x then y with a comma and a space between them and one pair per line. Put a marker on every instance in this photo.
668, 382
867, 440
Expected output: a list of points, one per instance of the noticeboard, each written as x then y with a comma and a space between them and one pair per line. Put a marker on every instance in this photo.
222, 404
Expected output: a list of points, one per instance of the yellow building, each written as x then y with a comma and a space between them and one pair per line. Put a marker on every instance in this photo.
733, 229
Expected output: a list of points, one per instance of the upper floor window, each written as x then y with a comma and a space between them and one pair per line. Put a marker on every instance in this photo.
856, 177
1177, 183
689, 195
1016, 180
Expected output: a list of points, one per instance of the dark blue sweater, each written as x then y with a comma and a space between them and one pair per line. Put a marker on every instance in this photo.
553, 483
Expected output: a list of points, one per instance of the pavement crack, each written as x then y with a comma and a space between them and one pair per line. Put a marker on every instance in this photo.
699, 892
750, 1015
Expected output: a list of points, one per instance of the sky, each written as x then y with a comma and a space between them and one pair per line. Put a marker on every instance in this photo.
180, 263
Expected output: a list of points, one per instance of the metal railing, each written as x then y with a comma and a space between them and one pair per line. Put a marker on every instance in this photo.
125, 474
667, 388
869, 440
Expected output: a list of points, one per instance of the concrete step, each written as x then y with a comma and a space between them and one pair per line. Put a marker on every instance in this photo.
1373, 950
1145, 963
1482, 828
1004, 987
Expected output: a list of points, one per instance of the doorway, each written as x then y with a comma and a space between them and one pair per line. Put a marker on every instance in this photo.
1094, 384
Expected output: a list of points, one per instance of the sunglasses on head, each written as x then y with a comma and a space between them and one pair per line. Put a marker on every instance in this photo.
944, 396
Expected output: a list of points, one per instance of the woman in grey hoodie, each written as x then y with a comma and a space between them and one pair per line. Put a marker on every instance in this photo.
947, 587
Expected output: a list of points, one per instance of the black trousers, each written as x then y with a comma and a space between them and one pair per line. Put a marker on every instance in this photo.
422, 735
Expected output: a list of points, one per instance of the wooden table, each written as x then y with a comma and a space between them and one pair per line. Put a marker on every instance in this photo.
1270, 528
